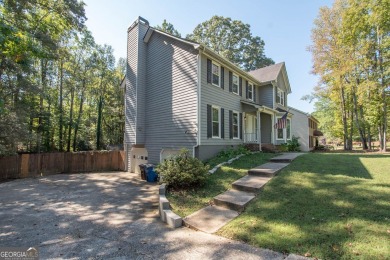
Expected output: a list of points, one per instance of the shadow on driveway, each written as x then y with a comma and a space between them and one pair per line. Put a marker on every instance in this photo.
103, 215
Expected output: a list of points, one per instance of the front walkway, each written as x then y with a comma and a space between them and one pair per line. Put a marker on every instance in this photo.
105, 216
231, 203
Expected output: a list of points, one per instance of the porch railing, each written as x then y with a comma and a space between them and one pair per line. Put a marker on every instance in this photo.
250, 137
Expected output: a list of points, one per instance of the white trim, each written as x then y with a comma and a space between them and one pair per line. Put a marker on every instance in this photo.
238, 124
212, 74
199, 110
219, 122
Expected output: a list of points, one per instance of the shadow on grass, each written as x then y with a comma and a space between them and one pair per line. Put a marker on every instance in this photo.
332, 206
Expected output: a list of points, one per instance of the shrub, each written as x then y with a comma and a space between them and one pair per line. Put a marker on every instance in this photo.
183, 171
293, 144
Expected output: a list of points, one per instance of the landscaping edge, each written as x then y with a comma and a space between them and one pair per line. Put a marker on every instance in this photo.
164, 208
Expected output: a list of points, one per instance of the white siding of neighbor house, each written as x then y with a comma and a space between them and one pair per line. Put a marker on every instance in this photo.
300, 128
171, 96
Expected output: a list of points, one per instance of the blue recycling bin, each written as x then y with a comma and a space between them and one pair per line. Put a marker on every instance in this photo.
151, 175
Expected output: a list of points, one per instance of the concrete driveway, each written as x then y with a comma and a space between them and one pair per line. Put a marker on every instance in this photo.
103, 216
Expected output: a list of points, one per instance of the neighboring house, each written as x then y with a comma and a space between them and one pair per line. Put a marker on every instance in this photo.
305, 126
181, 94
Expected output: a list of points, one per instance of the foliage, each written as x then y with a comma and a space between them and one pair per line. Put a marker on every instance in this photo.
233, 40
183, 171
350, 53
327, 205
293, 144
168, 28
59, 90
186, 202
227, 154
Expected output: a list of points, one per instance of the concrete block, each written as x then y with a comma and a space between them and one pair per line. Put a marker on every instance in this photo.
172, 219
164, 202
162, 189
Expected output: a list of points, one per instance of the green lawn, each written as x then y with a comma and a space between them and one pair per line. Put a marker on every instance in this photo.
326, 205
188, 201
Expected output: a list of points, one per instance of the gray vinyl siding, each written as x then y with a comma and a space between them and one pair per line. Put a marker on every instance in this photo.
131, 82
171, 99
141, 85
266, 128
212, 95
265, 96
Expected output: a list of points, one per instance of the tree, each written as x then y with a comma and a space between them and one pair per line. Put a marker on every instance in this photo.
168, 28
350, 54
233, 40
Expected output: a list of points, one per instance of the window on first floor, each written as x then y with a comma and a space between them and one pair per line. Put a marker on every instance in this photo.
284, 133
288, 129
216, 121
236, 125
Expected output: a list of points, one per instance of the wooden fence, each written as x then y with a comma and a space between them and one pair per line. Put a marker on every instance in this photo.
33, 165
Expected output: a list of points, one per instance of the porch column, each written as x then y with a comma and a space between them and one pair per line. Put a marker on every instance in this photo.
258, 129
243, 127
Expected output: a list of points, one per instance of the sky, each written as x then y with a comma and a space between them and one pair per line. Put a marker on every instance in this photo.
284, 25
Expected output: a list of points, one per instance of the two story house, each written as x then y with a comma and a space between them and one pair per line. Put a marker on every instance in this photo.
180, 94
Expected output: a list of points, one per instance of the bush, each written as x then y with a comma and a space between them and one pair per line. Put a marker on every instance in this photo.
293, 144
183, 171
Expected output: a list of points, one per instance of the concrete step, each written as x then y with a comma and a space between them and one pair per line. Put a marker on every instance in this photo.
250, 183
268, 169
210, 218
233, 199
286, 157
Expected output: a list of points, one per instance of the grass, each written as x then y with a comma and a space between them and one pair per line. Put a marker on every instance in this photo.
324, 205
185, 202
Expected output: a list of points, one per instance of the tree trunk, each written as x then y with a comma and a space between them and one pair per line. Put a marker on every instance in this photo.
76, 128
357, 119
70, 119
61, 121
344, 116
99, 124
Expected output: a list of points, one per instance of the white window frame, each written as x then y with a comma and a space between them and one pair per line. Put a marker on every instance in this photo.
238, 124
212, 122
285, 137
238, 84
219, 74
280, 95
288, 124
250, 86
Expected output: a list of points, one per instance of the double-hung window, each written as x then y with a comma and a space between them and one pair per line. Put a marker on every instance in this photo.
216, 71
250, 91
216, 121
280, 97
236, 125
235, 84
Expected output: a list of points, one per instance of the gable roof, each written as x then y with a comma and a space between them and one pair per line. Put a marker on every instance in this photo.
268, 73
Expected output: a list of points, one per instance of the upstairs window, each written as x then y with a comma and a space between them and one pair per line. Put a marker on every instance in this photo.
235, 84
280, 97
250, 91
215, 74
